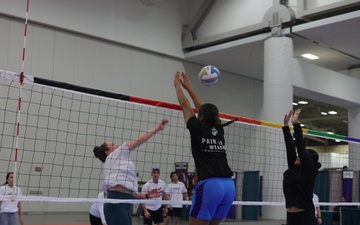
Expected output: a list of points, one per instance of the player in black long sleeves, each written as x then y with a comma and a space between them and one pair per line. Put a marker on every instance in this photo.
299, 178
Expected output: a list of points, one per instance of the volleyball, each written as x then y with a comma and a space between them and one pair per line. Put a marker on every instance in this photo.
209, 75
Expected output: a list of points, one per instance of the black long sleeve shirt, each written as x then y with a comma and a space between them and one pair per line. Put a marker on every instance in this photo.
298, 183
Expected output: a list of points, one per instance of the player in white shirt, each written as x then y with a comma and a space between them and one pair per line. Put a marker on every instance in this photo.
154, 211
96, 212
176, 192
10, 210
317, 208
120, 179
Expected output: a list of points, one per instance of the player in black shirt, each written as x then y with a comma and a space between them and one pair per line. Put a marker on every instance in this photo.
299, 178
215, 192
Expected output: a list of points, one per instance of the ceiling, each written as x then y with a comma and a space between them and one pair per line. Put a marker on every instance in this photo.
336, 40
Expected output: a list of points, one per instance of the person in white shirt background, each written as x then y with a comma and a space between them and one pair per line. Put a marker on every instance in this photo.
10, 210
176, 192
317, 208
96, 212
154, 211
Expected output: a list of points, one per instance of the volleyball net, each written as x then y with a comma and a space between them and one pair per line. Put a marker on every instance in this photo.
61, 123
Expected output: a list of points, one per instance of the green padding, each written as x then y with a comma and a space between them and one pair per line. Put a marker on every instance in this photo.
324, 134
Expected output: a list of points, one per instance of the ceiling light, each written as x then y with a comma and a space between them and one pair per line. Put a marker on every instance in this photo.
337, 140
303, 102
323, 113
294, 103
310, 56
302, 125
332, 112
329, 132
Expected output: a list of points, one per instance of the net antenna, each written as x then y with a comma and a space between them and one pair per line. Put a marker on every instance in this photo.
21, 80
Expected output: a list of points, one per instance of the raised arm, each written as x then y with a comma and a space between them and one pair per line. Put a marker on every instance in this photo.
290, 147
183, 101
304, 156
145, 136
187, 85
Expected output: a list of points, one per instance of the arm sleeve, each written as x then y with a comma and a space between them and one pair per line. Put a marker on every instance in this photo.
306, 161
290, 147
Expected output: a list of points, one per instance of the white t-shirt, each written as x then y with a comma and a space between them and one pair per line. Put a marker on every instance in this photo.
316, 203
176, 192
97, 209
150, 185
9, 206
119, 169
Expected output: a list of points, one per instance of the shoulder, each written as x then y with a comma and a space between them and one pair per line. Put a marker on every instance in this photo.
193, 123
147, 183
121, 150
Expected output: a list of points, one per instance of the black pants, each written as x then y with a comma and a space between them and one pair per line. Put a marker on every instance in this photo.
301, 218
95, 220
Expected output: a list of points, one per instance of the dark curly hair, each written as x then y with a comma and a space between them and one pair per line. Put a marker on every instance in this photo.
172, 174
99, 152
210, 114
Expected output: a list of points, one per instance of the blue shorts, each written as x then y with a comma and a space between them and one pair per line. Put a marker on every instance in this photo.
212, 198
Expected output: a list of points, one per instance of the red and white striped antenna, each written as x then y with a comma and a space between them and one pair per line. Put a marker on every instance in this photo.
21, 77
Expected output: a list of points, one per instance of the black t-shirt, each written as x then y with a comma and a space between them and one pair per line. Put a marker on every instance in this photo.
208, 149
298, 183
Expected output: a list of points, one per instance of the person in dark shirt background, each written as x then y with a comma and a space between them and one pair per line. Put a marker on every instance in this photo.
215, 192
341, 199
299, 178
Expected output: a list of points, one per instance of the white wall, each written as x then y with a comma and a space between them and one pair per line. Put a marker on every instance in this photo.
81, 60
157, 28
230, 15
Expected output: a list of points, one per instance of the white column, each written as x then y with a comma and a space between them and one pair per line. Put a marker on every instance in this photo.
278, 96
354, 131
278, 90
354, 127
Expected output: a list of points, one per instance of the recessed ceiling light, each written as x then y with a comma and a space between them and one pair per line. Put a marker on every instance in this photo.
329, 132
294, 103
332, 112
323, 113
303, 102
337, 140
310, 56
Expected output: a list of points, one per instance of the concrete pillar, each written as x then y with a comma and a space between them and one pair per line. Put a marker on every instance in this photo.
278, 96
354, 126
278, 90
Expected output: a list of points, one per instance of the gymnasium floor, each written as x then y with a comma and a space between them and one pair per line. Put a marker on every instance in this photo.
83, 219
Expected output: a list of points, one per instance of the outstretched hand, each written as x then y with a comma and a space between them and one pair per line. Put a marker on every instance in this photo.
177, 81
185, 81
154, 193
295, 117
287, 118
162, 124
